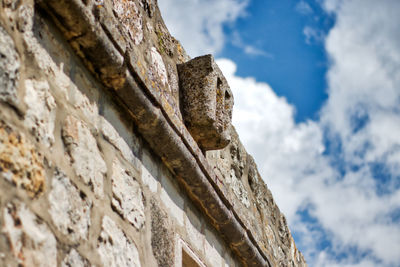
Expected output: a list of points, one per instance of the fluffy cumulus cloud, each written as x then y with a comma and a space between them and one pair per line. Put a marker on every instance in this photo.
198, 24
337, 179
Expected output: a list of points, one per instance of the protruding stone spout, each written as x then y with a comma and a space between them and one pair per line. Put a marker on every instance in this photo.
207, 102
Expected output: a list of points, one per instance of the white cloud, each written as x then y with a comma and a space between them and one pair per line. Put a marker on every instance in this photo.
338, 189
290, 157
198, 24
363, 112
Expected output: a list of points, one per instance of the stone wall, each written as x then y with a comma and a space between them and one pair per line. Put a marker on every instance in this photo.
97, 167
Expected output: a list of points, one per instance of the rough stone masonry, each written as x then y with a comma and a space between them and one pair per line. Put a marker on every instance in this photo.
117, 149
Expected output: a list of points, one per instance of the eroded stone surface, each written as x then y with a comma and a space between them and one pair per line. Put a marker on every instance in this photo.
20, 163
73, 259
127, 196
31, 241
41, 112
130, 17
69, 208
207, 102
9, 69
115, 248
86, 157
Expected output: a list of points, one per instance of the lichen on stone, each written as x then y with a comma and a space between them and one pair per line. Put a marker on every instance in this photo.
131, 19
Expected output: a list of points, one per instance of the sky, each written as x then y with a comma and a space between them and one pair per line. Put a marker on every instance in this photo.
317, 103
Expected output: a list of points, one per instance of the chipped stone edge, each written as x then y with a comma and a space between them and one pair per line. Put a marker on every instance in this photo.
172, 142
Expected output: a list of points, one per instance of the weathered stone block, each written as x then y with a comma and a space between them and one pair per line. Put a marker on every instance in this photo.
9, 69
69, 208
31, 241
207, 102
86, 157
127, 196
162, 237
41, 113
115, 248
20, 163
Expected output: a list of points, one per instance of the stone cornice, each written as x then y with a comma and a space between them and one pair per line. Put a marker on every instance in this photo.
113, 49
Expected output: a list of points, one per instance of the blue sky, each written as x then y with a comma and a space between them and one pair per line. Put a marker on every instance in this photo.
280, 53
317, 103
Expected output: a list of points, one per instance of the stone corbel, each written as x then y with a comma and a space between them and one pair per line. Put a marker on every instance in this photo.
207, 102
